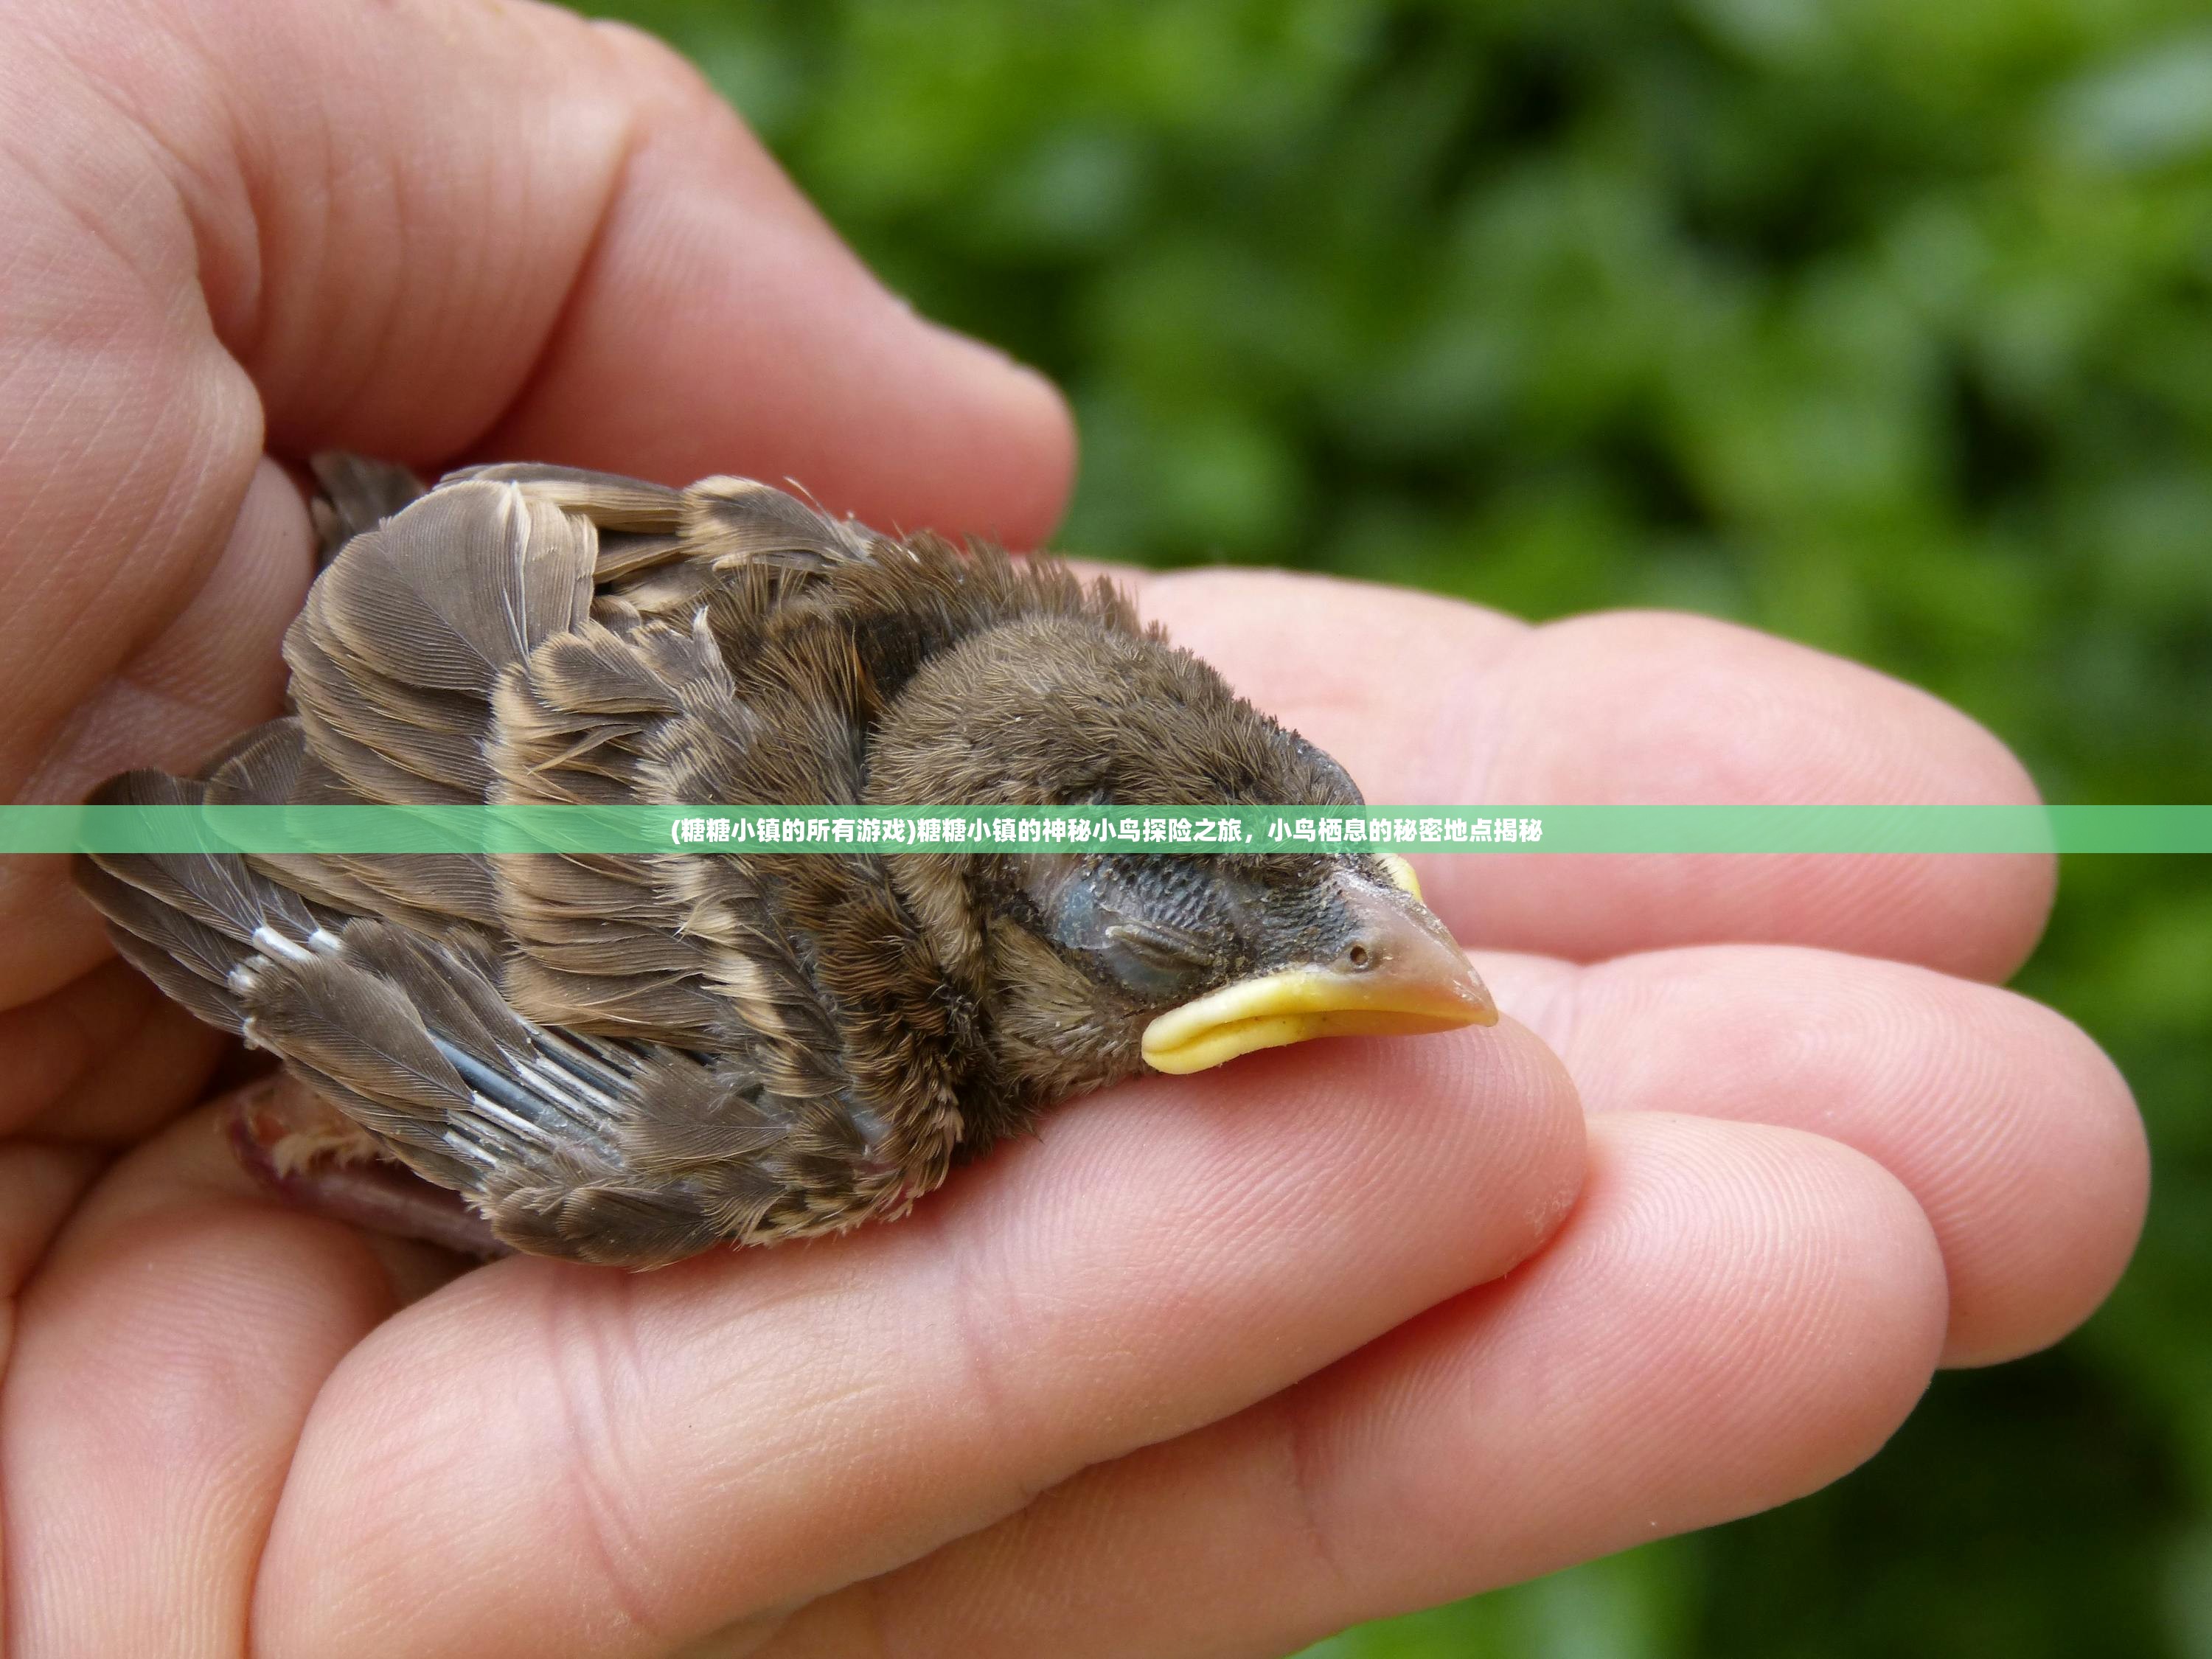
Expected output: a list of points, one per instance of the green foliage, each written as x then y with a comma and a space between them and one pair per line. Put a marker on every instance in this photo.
1878, 323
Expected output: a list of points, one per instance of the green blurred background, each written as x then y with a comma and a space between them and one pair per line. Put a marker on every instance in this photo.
1885, 325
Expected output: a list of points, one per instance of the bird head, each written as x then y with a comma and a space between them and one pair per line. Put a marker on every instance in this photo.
1222, 956
1104, 964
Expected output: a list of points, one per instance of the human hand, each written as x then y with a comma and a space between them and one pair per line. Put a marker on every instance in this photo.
1218, 1364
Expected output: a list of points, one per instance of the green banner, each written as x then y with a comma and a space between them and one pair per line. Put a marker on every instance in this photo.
1193, 829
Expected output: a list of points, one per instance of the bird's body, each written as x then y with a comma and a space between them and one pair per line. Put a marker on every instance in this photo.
625, 1059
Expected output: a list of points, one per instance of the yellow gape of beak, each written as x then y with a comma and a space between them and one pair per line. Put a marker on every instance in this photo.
1402, 873
1401, 974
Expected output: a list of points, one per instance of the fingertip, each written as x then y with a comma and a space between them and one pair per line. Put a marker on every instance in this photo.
1637, 708
1018, 431
719, 324
1542, 1133
1805, 1298
2063, 1209
1476, 1134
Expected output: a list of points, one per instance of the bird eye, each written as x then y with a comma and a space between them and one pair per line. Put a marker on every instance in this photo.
1171, 950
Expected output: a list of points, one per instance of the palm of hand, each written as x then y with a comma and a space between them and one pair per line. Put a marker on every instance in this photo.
1218, 1364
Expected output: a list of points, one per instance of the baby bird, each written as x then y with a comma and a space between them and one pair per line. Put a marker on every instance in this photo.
628, 1059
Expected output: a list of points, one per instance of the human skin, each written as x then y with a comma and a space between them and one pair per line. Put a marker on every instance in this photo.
1213, 1366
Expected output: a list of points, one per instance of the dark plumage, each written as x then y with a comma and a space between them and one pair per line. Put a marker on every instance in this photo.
627, 1059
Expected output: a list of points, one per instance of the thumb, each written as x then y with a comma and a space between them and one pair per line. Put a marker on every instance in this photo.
426, 228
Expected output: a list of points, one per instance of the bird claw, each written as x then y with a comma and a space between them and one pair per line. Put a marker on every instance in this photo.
314, 1159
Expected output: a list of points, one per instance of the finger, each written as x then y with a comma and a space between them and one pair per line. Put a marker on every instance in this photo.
613, 1463
1735, 1316
167, 1352
106, 1059
2017, 1136
1426, 700
39, 1184
131, 671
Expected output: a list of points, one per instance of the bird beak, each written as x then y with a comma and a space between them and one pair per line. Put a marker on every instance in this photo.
1402, 974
